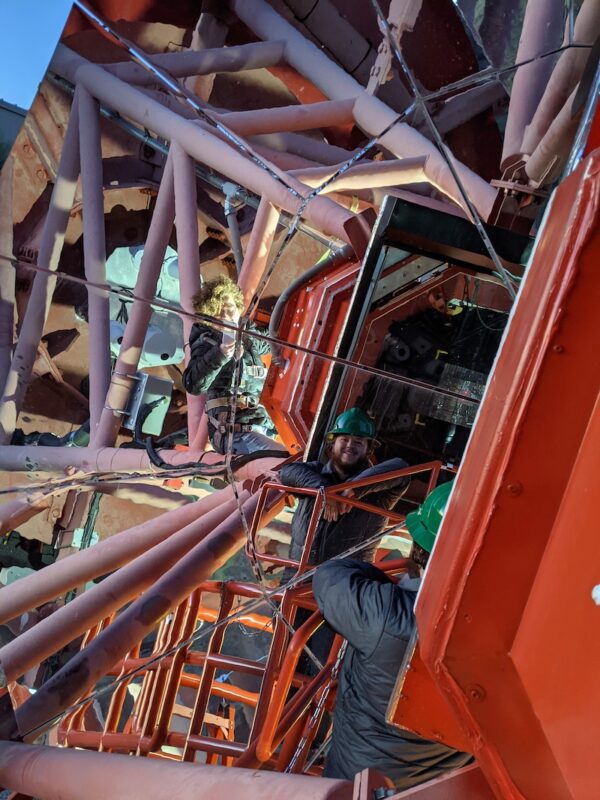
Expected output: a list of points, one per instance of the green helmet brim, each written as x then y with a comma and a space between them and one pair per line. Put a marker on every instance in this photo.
423, 537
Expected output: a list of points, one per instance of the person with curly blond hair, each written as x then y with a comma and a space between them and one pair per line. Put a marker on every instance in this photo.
212, 370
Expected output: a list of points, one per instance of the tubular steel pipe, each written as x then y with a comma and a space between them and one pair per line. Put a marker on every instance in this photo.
123, 377
186, 222
208, 674
94, 252
565, 76
234, 663
156, 725
304, 147
370, 113
113, 459
15, 512
205, 62
94, 661
73, 619
202, 145
106, 556
289, 118
7, 273
257, 250
38, 305
549, 157
230, 211
55, 773
542, 29
298, 706
153, 496
265, 746
210, 32
282, 159
373, 175
227, 690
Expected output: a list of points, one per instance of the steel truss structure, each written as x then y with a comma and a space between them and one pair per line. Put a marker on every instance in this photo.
151, 676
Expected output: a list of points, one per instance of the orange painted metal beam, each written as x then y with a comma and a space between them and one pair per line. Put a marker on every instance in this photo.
493, 615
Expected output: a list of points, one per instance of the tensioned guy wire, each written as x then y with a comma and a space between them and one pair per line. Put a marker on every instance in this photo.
393, 43
158, 303
180, 91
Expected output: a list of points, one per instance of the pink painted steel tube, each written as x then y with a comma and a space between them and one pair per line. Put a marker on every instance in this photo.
95, 660
201, 144
549, 157
565, 75
94, 251
122, 379
106, 556
372, 175
304, 147
16, 512
111, 459
51, 243
73, 619
370, 113
204, 62
289, 118
542, 30
55, 773
7, 274
186, 221
257, 251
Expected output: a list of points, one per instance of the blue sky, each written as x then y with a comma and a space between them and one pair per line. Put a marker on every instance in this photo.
30, 31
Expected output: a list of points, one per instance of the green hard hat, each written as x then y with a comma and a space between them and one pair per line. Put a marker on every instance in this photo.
424, 523
353, 422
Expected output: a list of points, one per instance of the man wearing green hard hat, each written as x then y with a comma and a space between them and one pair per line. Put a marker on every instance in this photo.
349, 445
424, 523
377, 619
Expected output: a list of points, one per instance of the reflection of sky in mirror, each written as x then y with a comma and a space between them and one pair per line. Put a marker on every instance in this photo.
31, 31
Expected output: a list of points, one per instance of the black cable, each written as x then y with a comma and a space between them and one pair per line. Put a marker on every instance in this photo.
219, 468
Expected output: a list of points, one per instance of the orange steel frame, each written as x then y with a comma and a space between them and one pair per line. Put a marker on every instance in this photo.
507, 622
434, 467
313, 320
279, 723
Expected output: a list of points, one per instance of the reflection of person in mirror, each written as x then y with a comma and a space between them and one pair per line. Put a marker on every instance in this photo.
350, 443
212, 370
377, 619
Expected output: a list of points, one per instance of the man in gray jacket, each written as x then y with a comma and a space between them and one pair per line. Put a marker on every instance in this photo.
350, 443
377, 619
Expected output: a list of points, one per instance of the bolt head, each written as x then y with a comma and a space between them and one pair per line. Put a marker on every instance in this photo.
475, 692
514, 488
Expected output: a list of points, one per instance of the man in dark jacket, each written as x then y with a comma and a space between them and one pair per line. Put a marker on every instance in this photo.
351, 442
376, 617
212, 369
